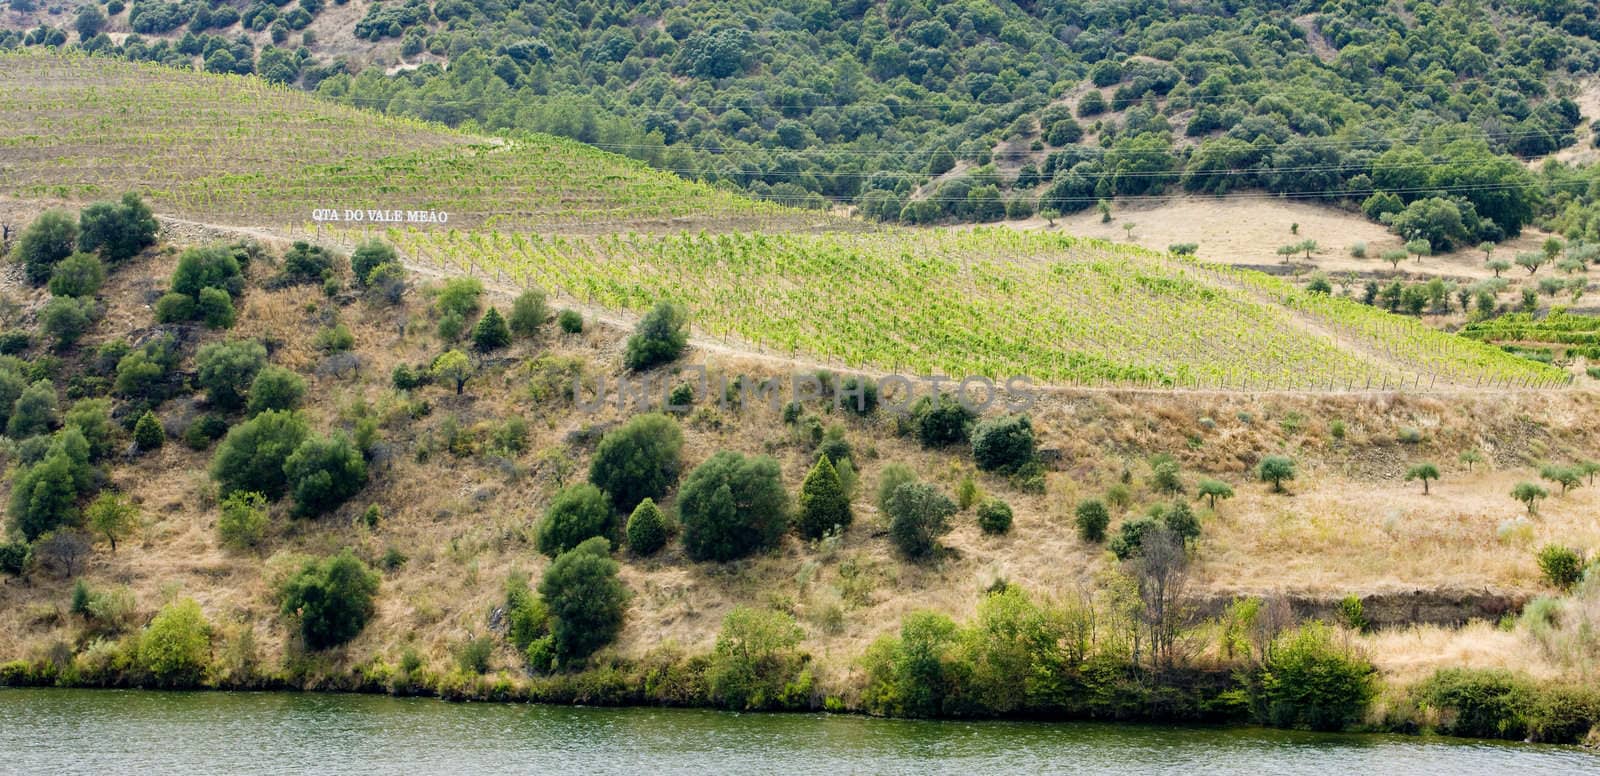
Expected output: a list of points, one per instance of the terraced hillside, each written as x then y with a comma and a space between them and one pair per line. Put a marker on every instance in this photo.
607, 233
238, 150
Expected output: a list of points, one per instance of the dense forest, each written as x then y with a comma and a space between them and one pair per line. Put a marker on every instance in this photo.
921, 112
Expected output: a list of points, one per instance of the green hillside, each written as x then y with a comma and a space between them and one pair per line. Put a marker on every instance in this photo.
238, 150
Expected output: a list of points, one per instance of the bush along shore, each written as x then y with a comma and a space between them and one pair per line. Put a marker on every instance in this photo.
1017, 658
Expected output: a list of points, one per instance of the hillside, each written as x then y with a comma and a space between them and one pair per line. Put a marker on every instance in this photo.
240, 151
921, 111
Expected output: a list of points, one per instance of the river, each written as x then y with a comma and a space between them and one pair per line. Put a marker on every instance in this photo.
141, 732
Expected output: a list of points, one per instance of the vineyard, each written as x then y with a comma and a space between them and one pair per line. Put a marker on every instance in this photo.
609, 234
1559, 335
991, 302
239, 150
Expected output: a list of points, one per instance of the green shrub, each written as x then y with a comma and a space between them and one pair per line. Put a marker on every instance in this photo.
214, 308
225, 369
332, 598
941, 422
323, 473
660, 337
473, 655
1182, 522
994, 516
275, 388
731, 506
491, 332
528, 313
585, 600
1562, 566
459, 297
1003, 444
823, 504
639, 460
913, 674
78, 275
893, 476
405, 377
253, 455
578, 512
1165, 475
200, 268
335, 339
175, 308
204, 430
1131, 535
242, 523
92, 418
13, 558
647, 529
369, 256
918, 515
175, 648
1308, 681
859, 395
148, 433
756, 663
527, 619
307, 263
14, 342
45, 242
118, 230
34, 412
66, 319
1092, 518
570, 321
1479, 703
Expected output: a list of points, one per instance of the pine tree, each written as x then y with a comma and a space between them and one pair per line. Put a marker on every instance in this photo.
822, 501
147, 433
491, 333
647, 531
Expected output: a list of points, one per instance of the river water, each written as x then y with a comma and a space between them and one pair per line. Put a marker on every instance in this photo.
141, 732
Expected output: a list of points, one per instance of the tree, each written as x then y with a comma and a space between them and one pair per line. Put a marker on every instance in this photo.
1212, 490
242, 522
1497, 266
1530, 261
1530, 495
640, 460
731, 506
369, 256
92, 419
45, 495
112, 516
823, 505
66, 319
307, 263
148, 433
224, 369
175, 648
528, 313
941, 422
1567, 477
48, 240
1275, 469
1092, 517
452, 365
118, 230
214, 308
585, 598
1165, 476
1435, 220
78, 275
1424, 472
660, 337
275, 388
252, 455
491, 332
332, 598
89, 21
201, 268
577, 513
323, 473
1470, 457
1394, 258
918, 515
1307, 680
647, 529
1003, 444
34, 412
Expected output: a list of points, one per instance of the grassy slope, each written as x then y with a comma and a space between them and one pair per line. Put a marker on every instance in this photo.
1350, 525
237, 150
